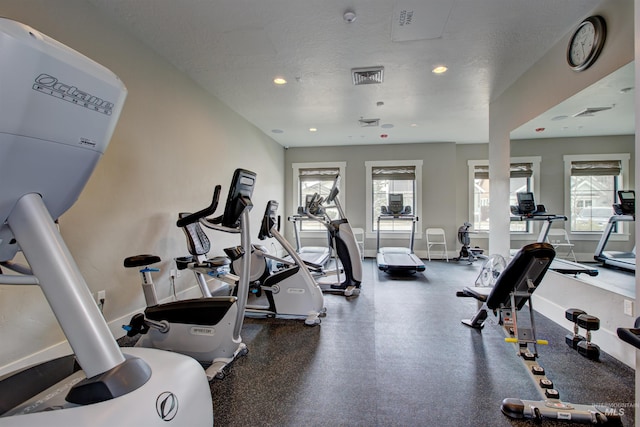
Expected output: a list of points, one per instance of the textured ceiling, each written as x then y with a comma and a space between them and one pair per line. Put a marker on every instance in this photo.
234, 49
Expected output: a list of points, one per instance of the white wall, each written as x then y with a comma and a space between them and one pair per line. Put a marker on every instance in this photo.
173, 144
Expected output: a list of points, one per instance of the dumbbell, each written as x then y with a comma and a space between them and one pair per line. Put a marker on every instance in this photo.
572, 315
586, 347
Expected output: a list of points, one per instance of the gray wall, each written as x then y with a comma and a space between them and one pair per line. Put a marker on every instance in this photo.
445, 195
438, 184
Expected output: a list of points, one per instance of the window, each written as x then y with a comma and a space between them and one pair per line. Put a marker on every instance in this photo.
312, 178
392, 177
522, 173
593, 185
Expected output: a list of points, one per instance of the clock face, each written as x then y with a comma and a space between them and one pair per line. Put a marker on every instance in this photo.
586, 43
582, 43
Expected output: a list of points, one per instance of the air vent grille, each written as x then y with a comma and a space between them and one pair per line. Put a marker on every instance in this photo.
588, 112
367, 76
365, 123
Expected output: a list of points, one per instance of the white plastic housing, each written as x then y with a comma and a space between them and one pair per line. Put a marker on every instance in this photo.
58, 111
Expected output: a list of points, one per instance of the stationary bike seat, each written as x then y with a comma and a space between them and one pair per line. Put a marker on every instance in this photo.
219, 261
141, 260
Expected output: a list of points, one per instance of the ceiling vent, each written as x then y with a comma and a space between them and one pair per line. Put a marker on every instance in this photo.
367, 76
588, 112
366, 123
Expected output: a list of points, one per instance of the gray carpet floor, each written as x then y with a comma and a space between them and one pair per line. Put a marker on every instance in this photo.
397, 355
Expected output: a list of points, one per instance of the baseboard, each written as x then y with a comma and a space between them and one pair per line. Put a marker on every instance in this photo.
63, 348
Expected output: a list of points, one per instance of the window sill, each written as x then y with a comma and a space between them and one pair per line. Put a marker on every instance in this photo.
393, 235
596, 235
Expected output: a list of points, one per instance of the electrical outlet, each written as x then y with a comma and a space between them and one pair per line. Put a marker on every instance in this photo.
628, 307
100, 299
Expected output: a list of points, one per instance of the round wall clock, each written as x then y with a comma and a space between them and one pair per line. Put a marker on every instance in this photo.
586, 43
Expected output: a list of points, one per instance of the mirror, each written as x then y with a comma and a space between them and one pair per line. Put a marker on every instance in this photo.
604, 108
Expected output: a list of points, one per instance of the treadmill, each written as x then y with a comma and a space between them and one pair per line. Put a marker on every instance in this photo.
527, 210
625, 211
315, 257
395, 260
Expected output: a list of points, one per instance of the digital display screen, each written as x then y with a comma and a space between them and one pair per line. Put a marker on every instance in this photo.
626, 195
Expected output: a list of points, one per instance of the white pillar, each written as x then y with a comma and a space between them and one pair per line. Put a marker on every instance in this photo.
499, 165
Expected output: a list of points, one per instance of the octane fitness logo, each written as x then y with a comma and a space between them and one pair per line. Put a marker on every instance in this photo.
167, 406
616, 408
50, 85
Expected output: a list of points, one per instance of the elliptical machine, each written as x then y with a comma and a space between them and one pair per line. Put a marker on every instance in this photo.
343, 243
207, 329
52, 136
291, 291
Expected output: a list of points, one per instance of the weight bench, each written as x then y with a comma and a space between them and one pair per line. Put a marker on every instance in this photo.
511, 292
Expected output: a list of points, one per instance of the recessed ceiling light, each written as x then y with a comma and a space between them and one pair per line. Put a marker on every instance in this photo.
313, 130
558, 118
439, 69
414, 125
279, 81
387, 126
626, 89
277, 131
